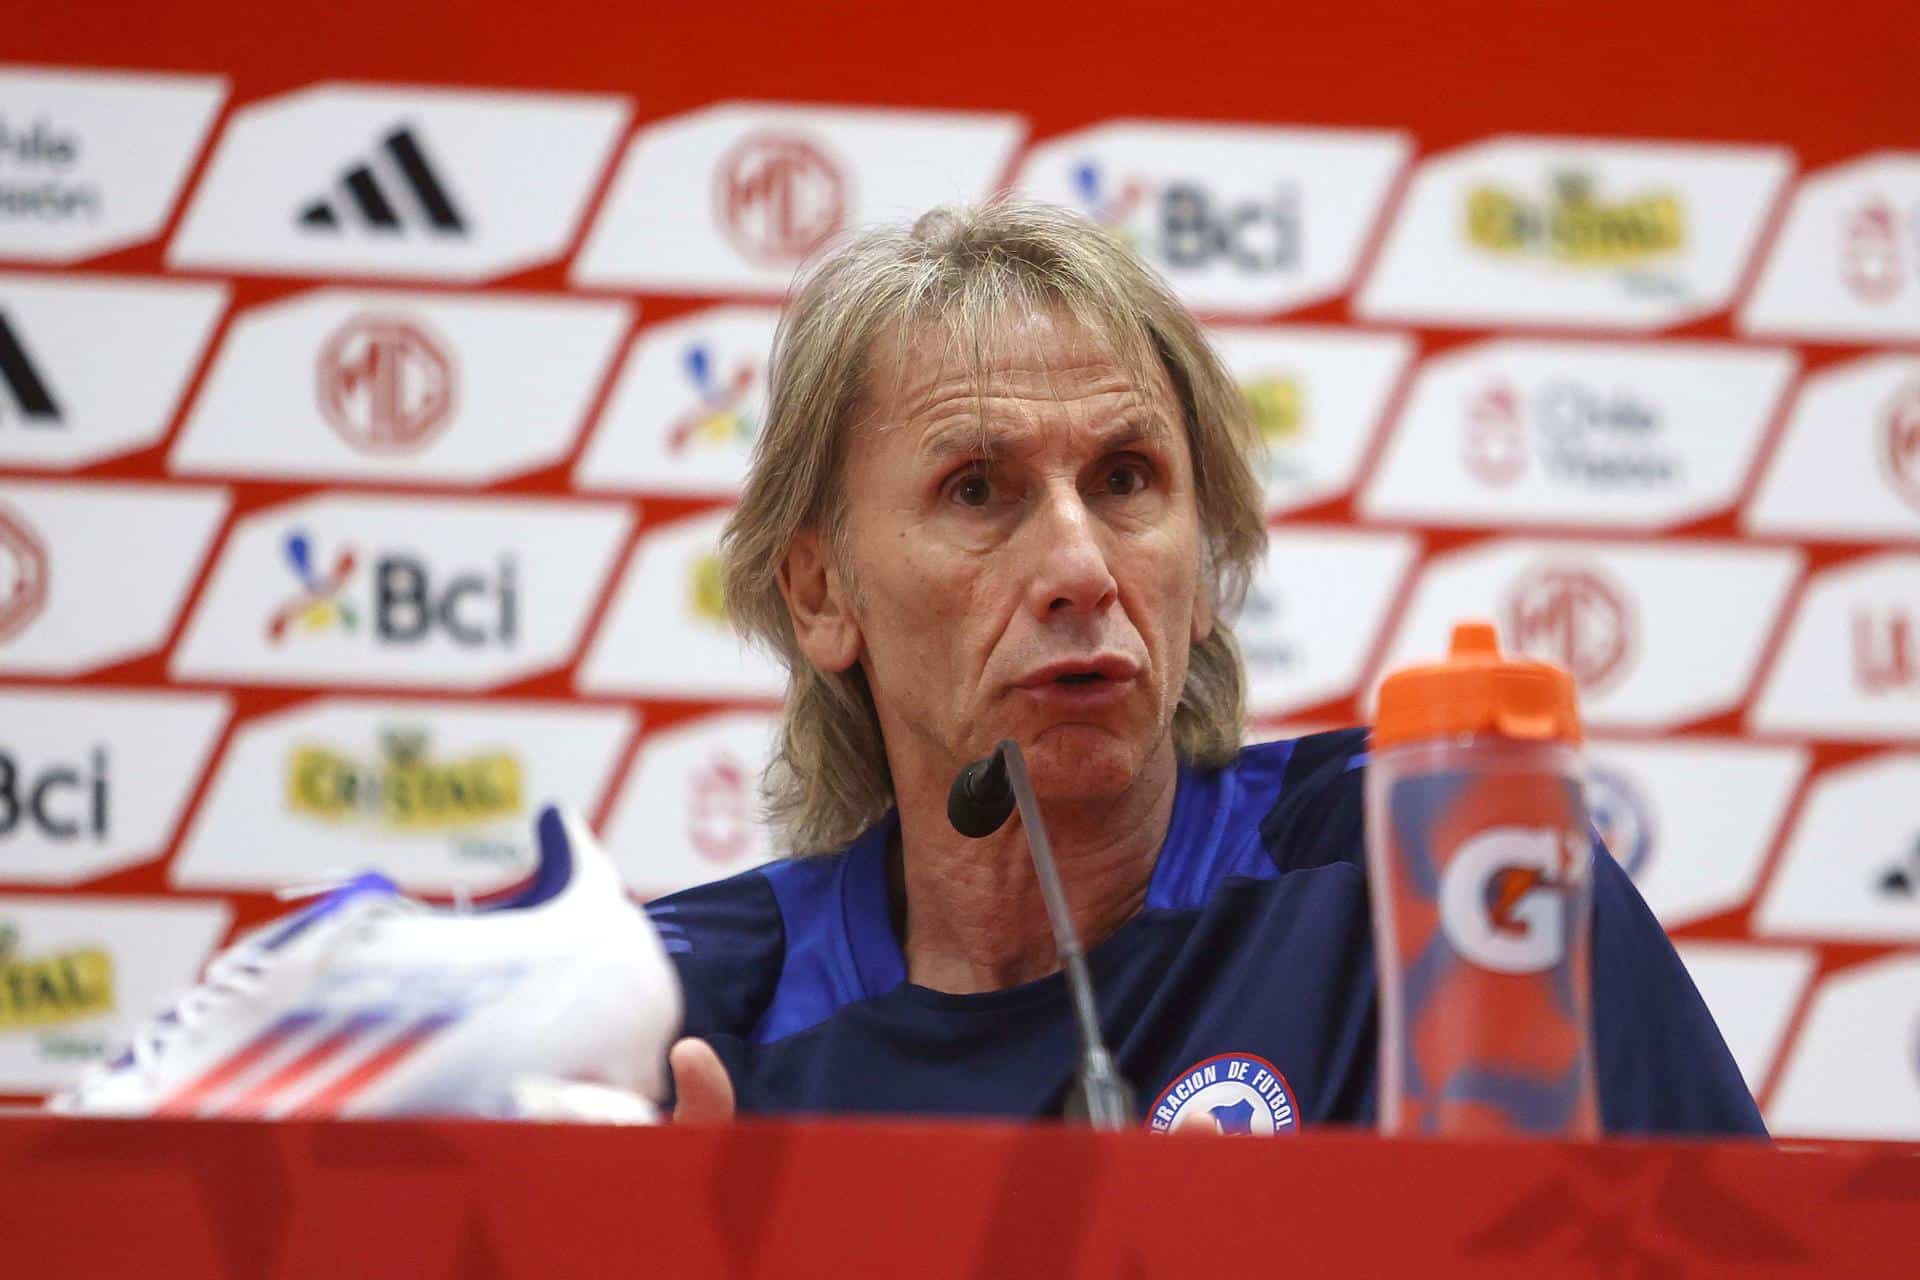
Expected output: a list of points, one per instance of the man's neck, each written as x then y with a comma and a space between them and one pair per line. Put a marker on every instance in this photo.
974, 918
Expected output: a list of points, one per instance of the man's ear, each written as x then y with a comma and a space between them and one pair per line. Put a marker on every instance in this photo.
820, 604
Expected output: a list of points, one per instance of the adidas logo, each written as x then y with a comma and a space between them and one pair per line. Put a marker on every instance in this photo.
368, 191
28, 390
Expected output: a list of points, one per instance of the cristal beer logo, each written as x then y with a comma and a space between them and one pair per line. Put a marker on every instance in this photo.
723, 414
1575, 226
1621, 817
1886, 650
707, 589
386, 385
1900, 442
405, 789
33, 404
46, 991
1502, 897
1574, 618
1870, 252
410, 602
1494, 444
778, 195
720, 810
23, 574
1185, 226
395, 190
62, 802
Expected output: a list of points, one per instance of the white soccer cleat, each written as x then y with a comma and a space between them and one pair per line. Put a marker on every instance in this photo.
371, 1004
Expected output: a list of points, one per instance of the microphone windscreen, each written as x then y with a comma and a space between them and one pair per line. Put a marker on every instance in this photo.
981, 799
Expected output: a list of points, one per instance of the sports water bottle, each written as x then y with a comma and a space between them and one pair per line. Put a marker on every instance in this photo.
1479, 862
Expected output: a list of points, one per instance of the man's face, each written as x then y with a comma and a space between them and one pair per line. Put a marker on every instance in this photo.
1024, 556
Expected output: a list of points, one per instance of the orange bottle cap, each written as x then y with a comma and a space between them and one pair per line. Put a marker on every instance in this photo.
1476, 690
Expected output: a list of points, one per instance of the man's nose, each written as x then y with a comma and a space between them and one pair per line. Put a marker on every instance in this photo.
1070, 571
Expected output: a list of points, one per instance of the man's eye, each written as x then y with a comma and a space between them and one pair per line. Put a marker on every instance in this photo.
1127, 479
971, 490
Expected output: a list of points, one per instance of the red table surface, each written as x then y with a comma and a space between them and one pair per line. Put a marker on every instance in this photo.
431, 1199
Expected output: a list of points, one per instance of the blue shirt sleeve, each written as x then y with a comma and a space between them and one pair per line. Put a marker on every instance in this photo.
728, 942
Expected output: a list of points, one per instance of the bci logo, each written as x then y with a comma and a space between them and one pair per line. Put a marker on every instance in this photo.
410, 602
61, 801
1188, 227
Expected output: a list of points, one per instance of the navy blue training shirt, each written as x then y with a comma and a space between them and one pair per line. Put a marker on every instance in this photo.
1242, 993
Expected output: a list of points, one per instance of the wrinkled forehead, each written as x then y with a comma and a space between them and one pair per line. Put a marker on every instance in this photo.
1010, 367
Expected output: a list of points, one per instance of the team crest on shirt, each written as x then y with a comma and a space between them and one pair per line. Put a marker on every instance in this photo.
1237, 1094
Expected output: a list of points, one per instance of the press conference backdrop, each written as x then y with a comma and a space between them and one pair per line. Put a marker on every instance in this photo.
372, 393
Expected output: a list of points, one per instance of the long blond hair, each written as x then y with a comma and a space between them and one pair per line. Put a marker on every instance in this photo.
966, 269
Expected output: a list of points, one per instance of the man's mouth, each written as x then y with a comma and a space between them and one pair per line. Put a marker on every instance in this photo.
1082, 674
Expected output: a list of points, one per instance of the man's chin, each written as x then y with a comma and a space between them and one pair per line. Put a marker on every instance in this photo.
1082, 762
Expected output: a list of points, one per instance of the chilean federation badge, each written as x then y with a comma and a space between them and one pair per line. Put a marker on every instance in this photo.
1237, 1094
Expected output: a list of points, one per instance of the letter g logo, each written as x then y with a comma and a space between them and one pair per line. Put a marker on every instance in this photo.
1501, 900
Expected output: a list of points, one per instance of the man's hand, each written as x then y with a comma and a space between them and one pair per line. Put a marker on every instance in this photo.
703, 1094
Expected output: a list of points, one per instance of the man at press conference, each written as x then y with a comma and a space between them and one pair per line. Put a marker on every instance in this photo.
1004, 492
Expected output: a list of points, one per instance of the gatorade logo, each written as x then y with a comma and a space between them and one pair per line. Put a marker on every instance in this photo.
1501, 898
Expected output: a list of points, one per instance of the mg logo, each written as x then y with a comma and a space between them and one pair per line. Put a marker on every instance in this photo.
1494, 447
1574, 619
1900, 443
23, 574
1870, 252
720, 813
385, 386
779, 196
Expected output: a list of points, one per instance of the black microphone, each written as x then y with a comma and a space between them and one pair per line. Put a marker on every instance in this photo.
983, 796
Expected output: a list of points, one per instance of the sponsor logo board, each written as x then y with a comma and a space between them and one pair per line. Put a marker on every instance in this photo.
732, 198
436, 796
1850, 665
393, 386
1559, 231
76, 591
75, 181
1848, 870
1848, 465
687, 407
1316, 396
1626, 620
91, 368
1312, 612
78, 976
689, 811
1241, 220
1751, 993
429, 183
92, 781
1555, 433
439, 593
1661, 809
1847, 262
667, 634
1855, 1067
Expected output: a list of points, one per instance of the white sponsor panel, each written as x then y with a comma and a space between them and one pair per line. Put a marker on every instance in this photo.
1855, 1067
687, 406
93, 367
1313, 612
79, 975
438, 797
733, 197
667, 634
91, 574
1317, 396
1850, 665
1662, 810
1851, 869
1751, 992
94, 780
1848, 466
1625, 435
75, 180
437, 184
1615, 235
337, 384
1847, 262
1240, 219
690, 809
439, 593
1654, 636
